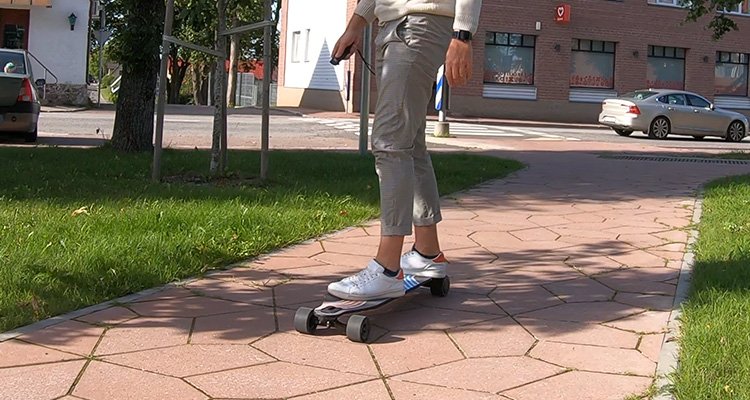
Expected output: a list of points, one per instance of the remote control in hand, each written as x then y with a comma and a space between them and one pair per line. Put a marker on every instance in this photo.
347, 50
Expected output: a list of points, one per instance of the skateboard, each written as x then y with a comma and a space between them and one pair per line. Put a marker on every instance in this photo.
307, 320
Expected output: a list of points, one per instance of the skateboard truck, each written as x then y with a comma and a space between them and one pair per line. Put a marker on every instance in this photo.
307, 320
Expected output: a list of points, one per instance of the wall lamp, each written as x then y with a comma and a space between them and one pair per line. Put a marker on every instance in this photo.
72, 18
557, 47
636, 53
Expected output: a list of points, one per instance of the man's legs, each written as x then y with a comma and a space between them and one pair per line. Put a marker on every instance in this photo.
410, 51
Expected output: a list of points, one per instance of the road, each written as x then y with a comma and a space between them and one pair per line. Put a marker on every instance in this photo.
191, 126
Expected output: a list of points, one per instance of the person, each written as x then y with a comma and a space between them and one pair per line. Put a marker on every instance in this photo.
9, 68
415, 38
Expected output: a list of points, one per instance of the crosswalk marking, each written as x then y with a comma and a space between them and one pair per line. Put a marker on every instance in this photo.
456, 128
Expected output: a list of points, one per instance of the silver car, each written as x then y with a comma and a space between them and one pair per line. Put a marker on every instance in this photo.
19, 100
660, 113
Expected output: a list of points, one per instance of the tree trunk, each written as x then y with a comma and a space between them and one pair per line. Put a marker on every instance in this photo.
219, 140
199, 74
134, 118
234, 60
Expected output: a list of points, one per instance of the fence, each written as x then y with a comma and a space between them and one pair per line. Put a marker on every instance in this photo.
250, 91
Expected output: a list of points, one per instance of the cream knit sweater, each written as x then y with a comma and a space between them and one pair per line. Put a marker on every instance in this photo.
465, 12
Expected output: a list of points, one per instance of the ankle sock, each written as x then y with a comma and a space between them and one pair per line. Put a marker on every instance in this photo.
423, 255
390, 273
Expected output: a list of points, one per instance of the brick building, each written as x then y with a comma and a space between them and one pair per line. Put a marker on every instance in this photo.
527, 65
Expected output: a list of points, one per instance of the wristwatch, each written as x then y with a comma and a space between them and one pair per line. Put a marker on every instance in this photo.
464, 36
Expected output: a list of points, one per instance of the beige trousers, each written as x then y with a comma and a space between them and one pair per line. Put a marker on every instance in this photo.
409, 52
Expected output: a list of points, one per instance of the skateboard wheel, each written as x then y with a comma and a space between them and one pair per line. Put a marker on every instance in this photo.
440, 287
305, 320
358, 328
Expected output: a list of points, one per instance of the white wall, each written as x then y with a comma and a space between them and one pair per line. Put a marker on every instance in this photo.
326, 21
61, 50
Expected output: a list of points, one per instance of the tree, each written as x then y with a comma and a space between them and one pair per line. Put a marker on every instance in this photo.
720, 23
137, 26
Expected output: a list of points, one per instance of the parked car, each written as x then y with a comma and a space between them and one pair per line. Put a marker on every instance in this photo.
19, 99
660, 113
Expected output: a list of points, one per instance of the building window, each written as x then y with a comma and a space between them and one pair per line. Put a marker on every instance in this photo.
731, 73
592, 64
509, 58
307, 45
13, 36
742, 8
295, 46
666, 67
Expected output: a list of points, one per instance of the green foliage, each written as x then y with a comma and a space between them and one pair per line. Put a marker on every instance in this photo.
720, 23
715, 333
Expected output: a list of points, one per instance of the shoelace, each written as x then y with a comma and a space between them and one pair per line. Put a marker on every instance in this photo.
361, 277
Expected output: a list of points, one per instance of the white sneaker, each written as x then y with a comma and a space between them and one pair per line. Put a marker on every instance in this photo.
412, 263
369, 284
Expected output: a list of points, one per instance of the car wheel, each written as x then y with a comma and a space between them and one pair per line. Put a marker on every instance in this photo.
735, 132
30, 137
623, 132
660, 128
698, 137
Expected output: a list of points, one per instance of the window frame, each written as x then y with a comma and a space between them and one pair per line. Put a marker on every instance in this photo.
652, 53
744, 60
508, 35
576, 47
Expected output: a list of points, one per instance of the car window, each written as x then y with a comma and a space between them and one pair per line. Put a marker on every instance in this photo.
12, 63
676, 99
638, 95
696, 101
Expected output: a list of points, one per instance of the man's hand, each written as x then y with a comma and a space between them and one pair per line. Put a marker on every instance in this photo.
458, 63
351, 37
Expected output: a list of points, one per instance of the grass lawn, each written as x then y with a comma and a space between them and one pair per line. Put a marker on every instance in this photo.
715, 342
81, 226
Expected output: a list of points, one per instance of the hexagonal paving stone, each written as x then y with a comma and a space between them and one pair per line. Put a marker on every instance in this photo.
572, 332
416, 391
461, 301
186, 360
278, 261
495, 338
312, 351
71, 336
593, 265
399, 352
650, 346
236, 328
144, 334
188, 307
584, 312
639, 280
580, 290
647, 301
349, 260
272, 381
26, 382
582, 386
103, 381
484, 374
109, 316
235, 291
535, 234
647, 322
17, 353
373, 390
594, 358
639, 258
423, 318
519, 299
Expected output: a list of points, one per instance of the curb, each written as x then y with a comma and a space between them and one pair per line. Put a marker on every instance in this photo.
669, 355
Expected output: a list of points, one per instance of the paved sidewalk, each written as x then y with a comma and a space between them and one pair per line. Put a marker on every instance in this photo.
563, 278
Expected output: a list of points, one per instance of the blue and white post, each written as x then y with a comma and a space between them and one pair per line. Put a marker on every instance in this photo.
442, 128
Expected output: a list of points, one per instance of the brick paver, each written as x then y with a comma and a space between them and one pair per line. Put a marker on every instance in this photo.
563, 276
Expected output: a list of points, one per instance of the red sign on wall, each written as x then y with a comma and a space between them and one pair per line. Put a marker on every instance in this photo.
562, 13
